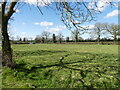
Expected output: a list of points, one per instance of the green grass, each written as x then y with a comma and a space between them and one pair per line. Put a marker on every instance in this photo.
63, 66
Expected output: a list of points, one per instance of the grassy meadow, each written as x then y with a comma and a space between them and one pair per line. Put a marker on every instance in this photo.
63, 66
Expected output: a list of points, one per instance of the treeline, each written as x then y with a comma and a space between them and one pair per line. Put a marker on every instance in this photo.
56, 39
97, 31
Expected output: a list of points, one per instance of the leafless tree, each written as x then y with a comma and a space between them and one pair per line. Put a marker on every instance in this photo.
46, 35
17, 37
67, 39
98, 31
76, 34
60, 37
113, 29
38, 39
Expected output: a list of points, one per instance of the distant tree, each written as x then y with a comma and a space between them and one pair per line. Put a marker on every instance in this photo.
46, 35
20, 39
17, 37
113, 29
60, 37
67, 39
24, 39
30, 39
98, 31
54, 38
38, 39
43, 40
80, 38
104, 39
76, 34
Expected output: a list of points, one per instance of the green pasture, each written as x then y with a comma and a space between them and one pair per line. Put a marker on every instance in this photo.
63, 66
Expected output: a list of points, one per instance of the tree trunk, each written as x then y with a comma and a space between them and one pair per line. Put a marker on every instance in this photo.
76, 38
98, 39
6, 46
115, 39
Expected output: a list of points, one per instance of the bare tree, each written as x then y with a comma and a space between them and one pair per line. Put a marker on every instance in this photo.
38, 39
74, 14
113, 30
98, 31
60, 37
75, 35
17, 37
46, 35
67, 39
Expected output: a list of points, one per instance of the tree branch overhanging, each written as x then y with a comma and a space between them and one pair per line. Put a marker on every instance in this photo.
10, 11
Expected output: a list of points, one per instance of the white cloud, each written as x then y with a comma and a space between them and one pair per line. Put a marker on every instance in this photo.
91, 5
91, 26
88, 26
8, 26
116, 5
23, 33
55, 29
37, 23
113, 13
12, 31
17, 10
67, 20
76, 22
38, 2
44, 23
100, 6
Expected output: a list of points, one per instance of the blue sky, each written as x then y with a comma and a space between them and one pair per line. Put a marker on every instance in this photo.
29, 22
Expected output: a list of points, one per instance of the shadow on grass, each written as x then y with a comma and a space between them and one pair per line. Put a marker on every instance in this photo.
21, 66
36, 53
63, 64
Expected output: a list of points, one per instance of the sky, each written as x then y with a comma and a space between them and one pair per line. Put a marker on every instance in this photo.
29, 22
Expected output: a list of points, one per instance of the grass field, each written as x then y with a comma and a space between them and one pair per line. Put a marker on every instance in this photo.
63, 66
